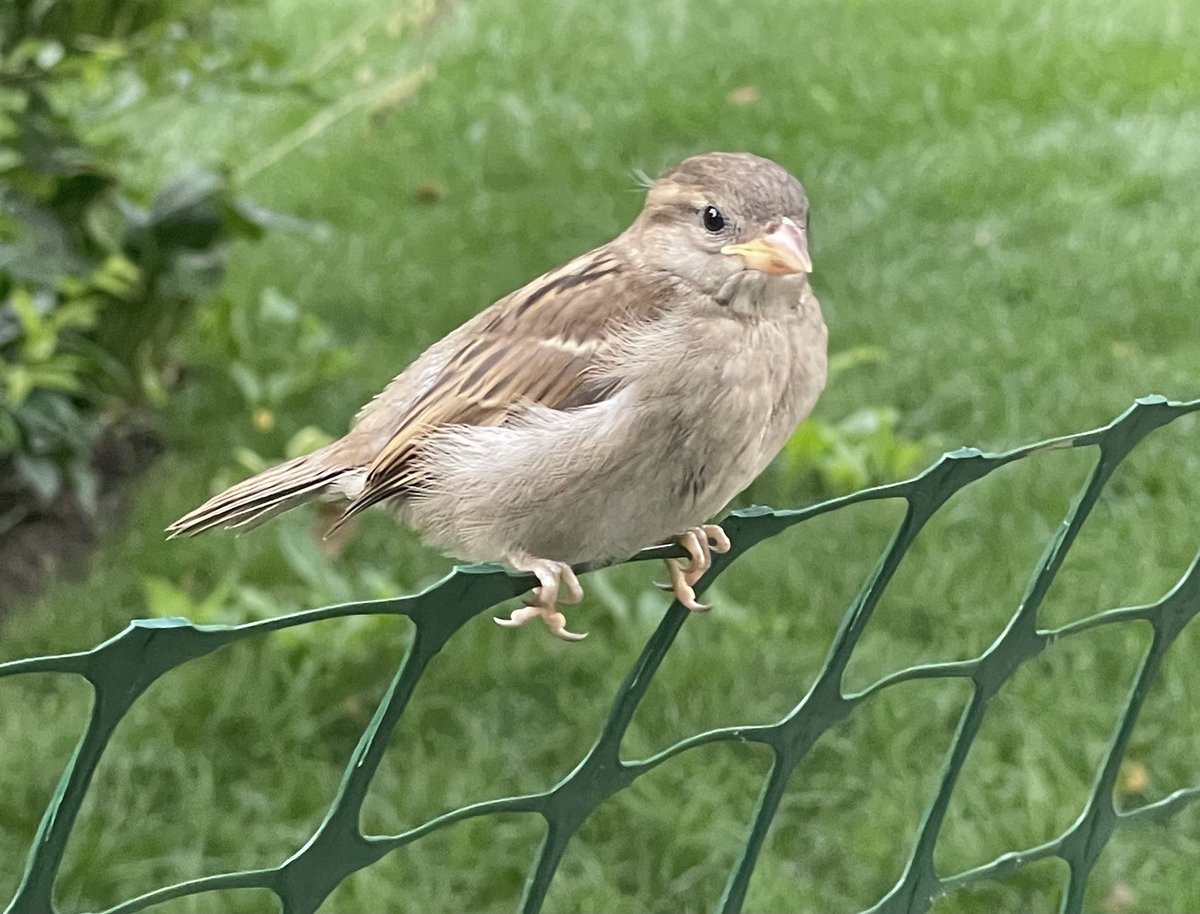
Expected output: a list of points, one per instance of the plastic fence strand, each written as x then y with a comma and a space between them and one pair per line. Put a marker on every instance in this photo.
120, 669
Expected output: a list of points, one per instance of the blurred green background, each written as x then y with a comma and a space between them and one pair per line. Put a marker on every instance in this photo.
1004, 229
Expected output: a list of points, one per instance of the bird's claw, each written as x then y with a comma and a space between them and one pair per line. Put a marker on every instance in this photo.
717, 536
555, 621
700, 543
683, 590
518, 617
543, 605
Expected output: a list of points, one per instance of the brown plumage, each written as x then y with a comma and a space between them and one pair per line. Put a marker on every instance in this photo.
612, 403
537, 345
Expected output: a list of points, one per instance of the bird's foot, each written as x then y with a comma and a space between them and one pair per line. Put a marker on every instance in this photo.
700, 543
543, 601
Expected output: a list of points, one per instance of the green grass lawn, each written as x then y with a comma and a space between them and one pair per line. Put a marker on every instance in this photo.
1004, 202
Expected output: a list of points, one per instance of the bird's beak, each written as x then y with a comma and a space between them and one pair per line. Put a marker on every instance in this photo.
782, 250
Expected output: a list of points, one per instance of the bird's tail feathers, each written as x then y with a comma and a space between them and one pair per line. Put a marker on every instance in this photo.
261, 497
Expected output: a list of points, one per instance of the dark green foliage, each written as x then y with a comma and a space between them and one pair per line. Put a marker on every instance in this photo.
66, 20
93, 286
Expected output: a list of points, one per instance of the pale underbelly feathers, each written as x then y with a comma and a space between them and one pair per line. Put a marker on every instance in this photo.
606, 480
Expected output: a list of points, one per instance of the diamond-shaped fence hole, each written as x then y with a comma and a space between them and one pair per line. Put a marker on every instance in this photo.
873, 774
502, 845
1043, 740
1139, 865
1162, 757
243, 745
1034, 887
514, 720
31, 758
1142, 534
965, 575
673, 836
823, 578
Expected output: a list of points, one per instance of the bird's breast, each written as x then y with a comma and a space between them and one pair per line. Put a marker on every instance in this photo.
728, 392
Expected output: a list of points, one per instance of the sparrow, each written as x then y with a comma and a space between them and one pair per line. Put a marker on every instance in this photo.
614, 403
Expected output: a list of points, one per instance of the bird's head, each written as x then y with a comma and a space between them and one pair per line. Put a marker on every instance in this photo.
718, 219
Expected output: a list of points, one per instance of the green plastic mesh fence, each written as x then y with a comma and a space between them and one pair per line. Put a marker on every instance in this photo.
123, 667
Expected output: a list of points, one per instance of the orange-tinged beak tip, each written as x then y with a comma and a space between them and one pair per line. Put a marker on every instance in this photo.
781, 250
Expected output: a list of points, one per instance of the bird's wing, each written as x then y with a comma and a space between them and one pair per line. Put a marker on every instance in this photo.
539, 345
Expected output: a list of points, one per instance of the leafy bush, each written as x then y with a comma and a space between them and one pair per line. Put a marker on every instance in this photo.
93, 286
63, 20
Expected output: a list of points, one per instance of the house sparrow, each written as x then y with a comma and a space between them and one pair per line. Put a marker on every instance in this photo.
611, 404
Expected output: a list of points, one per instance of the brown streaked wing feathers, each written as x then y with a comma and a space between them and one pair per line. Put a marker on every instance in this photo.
534, 346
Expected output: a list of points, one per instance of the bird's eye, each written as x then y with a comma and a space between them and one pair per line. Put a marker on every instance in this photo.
712, 219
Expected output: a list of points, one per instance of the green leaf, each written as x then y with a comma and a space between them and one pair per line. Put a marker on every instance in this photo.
863, 423
808, 443
247, 382
13, 99
40, 474
84, 482
240, 221
849, 359
307, 439
10, 431
79, 313
250, 460
49, 54
846, 471
105, 224
63, 375
164, 598
185, 212
18, 383
154, 389
119, 277
276, 307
